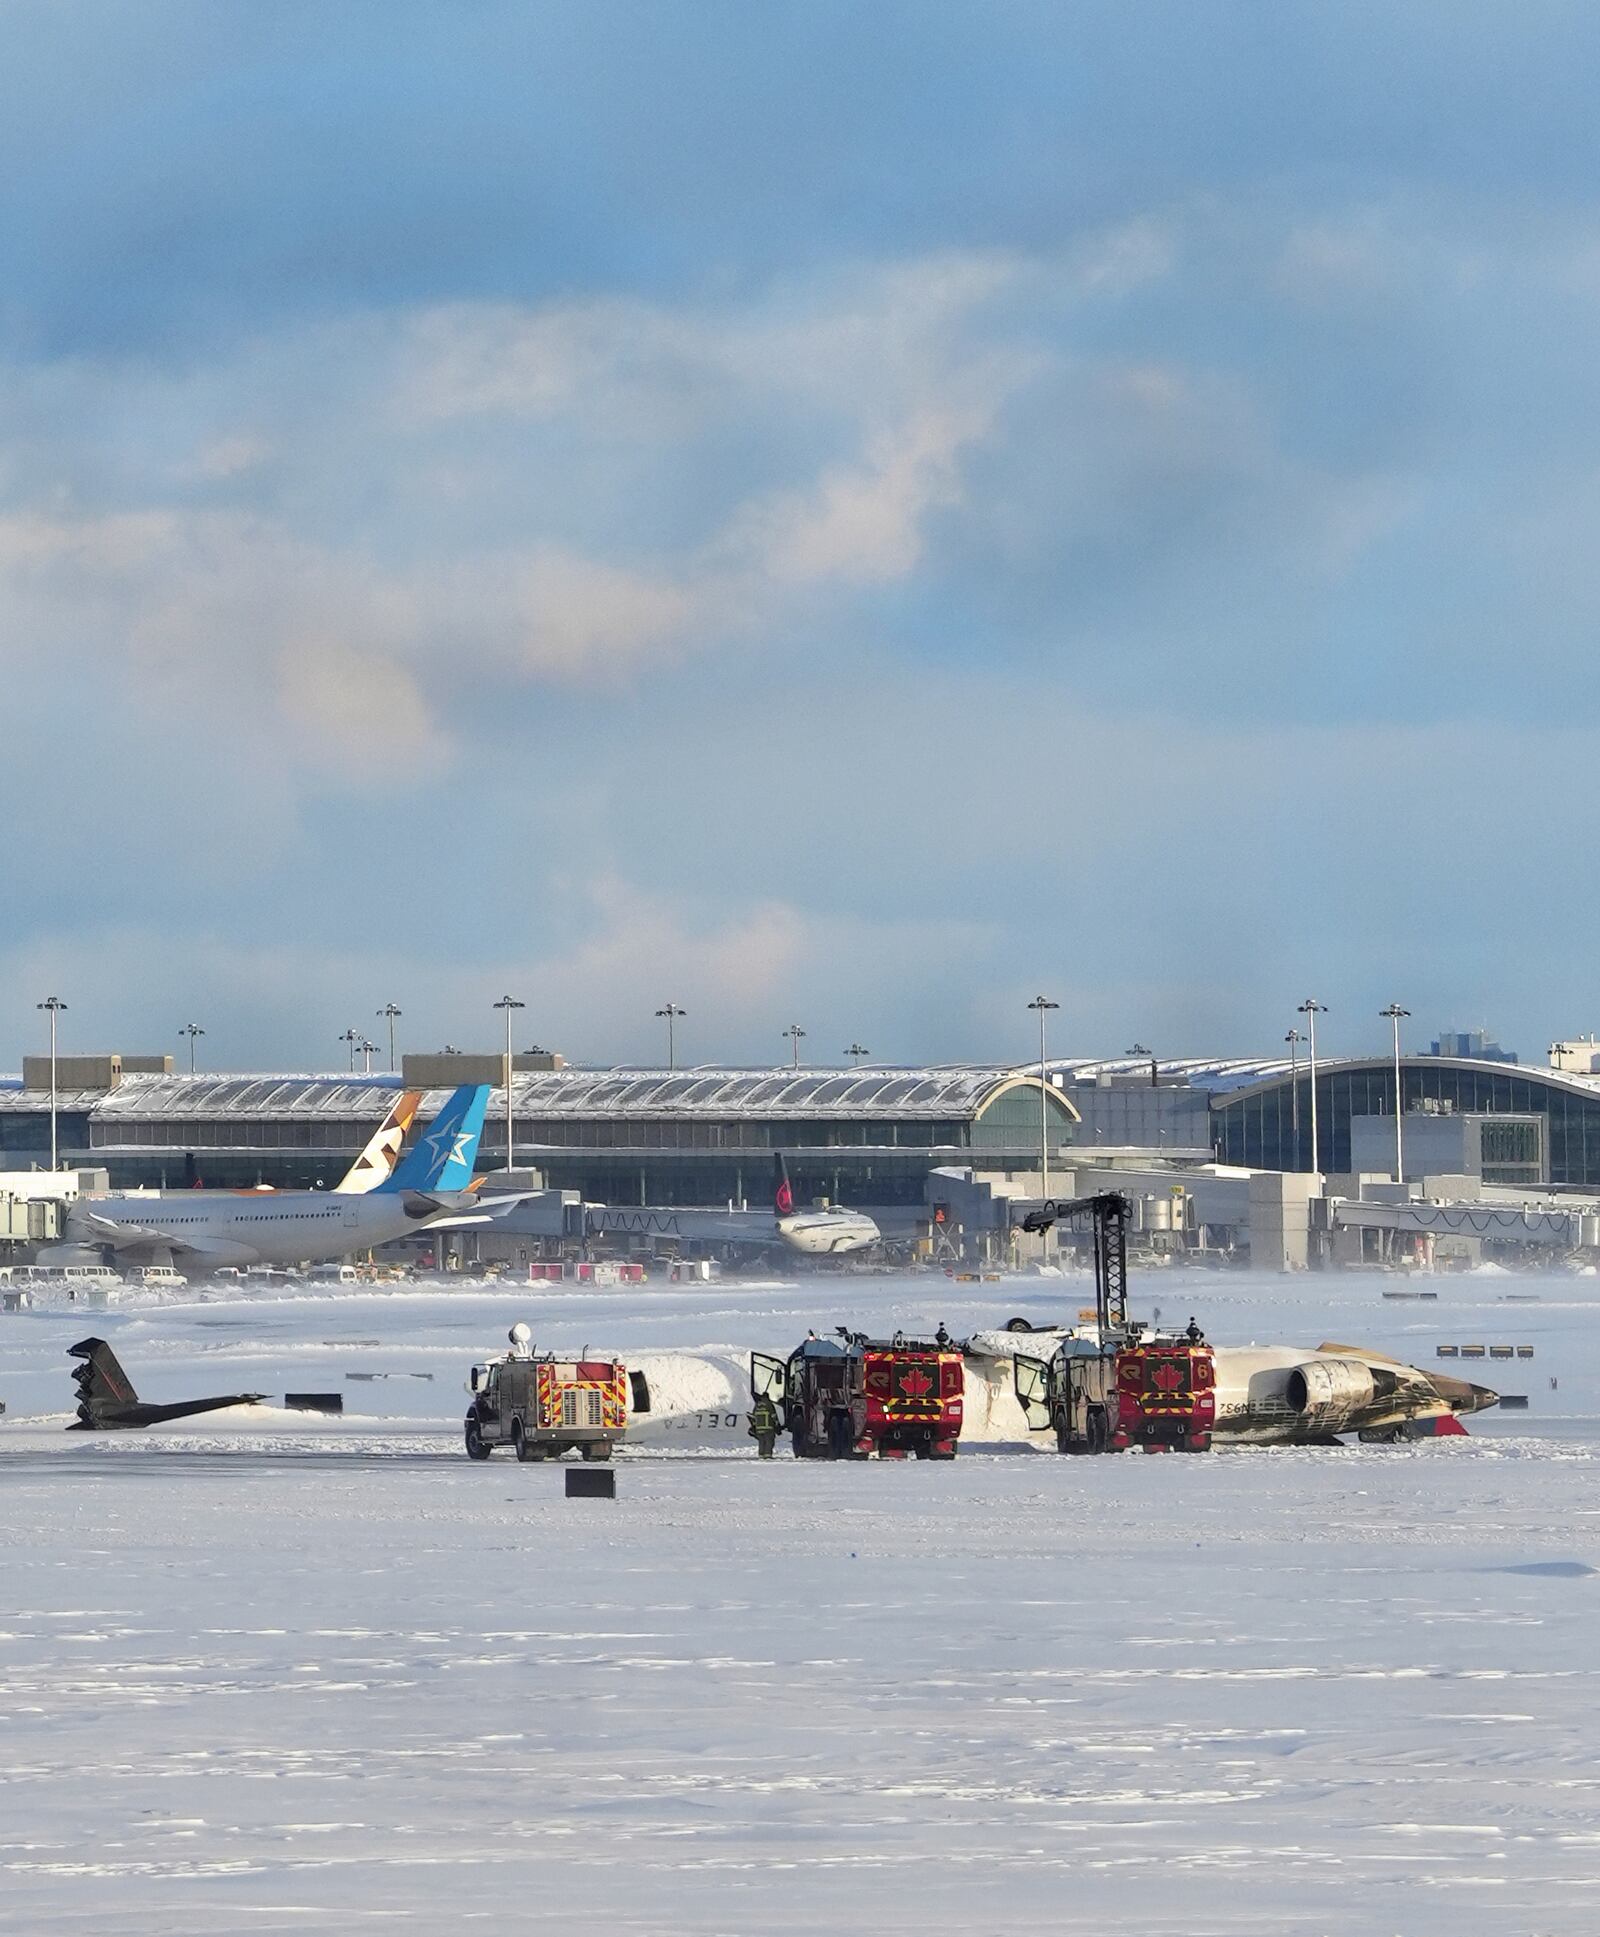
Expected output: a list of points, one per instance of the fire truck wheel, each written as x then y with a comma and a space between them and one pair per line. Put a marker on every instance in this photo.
1064, 1435
600, 1449
841, 1435
526, 1450
802, 1443
1099, 1431
475, 1446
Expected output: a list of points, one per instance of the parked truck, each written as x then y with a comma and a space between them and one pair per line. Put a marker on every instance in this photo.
1107, 1394
1116, 1384
850, 1396
543, 1406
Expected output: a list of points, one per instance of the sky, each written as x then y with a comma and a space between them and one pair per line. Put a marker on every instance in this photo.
818, 514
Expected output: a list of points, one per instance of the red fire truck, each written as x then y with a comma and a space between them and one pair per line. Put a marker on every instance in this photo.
1104, 1395
850, 1396
1117, 1385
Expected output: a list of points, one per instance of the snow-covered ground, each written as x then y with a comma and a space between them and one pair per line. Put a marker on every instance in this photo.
266, 1673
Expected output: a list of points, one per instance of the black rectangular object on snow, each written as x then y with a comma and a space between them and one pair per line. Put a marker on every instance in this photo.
314, 1401
586, 1483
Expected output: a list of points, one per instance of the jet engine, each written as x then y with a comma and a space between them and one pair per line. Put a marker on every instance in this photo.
1328, 1393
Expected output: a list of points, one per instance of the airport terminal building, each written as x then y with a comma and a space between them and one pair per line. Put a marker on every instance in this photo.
866, 1136
688, 1137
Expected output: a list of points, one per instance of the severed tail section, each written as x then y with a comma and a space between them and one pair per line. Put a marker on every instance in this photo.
107, 1400
102, 1384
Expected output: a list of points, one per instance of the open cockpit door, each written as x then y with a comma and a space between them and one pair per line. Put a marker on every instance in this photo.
769, 1378
1031, 1377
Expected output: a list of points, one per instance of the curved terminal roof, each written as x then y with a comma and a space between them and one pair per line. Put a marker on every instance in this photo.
877, 1094
959, 1090
1223, 1077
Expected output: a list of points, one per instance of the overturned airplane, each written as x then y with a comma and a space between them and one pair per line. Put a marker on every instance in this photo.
107, 1400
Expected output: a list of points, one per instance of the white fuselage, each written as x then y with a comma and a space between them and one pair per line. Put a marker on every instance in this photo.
828, 1233
196, 1228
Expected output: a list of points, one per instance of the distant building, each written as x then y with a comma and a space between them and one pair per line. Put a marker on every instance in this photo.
1475, 1043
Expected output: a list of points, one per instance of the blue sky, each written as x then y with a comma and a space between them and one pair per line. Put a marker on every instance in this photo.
849, 515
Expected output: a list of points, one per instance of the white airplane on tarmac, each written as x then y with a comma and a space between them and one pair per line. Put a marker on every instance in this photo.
199, 1230
818, 1234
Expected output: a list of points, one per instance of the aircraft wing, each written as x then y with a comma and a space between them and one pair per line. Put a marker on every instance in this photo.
124, 1237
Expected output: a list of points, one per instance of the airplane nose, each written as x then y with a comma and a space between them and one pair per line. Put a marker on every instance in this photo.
1460, 1396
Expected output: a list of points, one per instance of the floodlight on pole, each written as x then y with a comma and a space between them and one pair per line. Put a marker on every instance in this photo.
509, 1003
1139, 1049
857, 1054
56, 1007
191, 1030
1395, 1014
1294, 1040
389, 1011
795, 1034
1043, 1005
1311, 1008
368, 1051
671, 1012
352, 1037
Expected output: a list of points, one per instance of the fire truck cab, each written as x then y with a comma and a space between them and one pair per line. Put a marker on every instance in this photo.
543, 1406
1104, 1394
850, 1396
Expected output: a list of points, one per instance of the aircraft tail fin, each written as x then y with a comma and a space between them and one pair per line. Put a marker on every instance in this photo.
443, 1158
382, 1153
782, 1191
101, 1381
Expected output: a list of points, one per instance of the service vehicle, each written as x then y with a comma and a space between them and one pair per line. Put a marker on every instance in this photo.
1116, 1384
542, 1406
1104, 1395
850, 1396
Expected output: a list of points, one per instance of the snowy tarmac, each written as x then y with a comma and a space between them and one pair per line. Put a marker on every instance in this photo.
267, 1673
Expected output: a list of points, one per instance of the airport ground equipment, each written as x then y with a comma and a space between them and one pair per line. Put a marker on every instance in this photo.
850, 1396
107, 1400
543, 1406
1119, 1385
1105, 1394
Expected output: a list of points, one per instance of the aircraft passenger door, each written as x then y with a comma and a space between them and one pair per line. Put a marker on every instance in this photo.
1031, 1378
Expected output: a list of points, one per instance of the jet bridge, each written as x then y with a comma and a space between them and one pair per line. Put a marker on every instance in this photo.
1545, 1226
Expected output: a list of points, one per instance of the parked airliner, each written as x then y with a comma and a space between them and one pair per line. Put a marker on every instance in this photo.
827, 1233
196, 1230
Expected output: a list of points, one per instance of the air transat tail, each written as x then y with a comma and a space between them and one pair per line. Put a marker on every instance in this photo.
444, 1157
382, 1153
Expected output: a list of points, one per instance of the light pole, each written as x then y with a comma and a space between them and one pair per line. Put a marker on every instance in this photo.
672, 1013
857, 1054
56, 1007
1139, 1049
509, 1003
351, 1037
389, 1012
1311, 1008
368, 1051
1394, 1012
795, 1033
1294, 1040
1044, 1005
191, 1030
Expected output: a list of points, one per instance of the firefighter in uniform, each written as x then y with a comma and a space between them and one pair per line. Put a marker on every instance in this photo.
765, 1425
